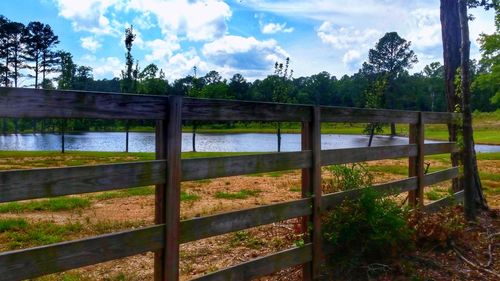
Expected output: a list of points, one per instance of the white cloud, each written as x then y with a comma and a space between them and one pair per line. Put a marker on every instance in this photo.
347, 37
89, 15
181, 64
244, 53
162, 50
272, 28
202, 20
352, 59
103, 67
90, 43
424, 28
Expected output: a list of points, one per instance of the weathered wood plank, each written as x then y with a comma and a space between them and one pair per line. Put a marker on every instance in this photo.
439, 176
317, 235
226, 110
363, 115
173, 192
33, 262
439, 117
36, 103
262, 266
199, 228
206, 168
335, 199
49, 182
305, 181
439, 148
445, 202
160, 197
362, 154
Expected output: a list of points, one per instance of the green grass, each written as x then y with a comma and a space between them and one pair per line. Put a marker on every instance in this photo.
139, 191
23, 234
436, 194
53, 204
12, 224
242, 194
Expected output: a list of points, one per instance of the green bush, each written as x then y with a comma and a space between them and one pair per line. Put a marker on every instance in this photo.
348, 176
369, 229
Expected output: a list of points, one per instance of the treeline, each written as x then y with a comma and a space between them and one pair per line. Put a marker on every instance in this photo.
28, 53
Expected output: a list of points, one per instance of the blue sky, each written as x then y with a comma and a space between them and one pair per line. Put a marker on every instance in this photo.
239, 36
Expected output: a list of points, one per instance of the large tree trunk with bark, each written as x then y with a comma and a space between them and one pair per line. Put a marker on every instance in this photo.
472, 183
450, 28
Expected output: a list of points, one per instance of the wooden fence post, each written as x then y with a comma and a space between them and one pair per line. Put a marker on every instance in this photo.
169, 137
161, 153
416, 163
311, 186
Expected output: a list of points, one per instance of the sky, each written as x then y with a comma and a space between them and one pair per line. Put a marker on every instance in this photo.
239, 36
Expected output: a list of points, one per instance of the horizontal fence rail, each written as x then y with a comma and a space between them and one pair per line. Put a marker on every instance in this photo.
37, 103
164, 237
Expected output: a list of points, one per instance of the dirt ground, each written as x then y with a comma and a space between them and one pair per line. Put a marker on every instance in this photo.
212, 254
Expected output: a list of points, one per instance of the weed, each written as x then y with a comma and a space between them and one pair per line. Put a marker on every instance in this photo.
435, 195
242, 194
365, 230
40, 233
189, 197
12, 224
53, 204
348, 176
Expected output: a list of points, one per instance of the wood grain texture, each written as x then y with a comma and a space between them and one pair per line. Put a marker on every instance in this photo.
362, 154
206, 168
363, 115
335, 199
36, 103
262, 266
160, 191
49, 182
445, 202
317, 235
33, 262
226, 110
173, 192
439, 176
199, 228
440, 148
440, 117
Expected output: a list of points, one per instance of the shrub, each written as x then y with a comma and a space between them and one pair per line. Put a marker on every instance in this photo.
348, 176
365, 230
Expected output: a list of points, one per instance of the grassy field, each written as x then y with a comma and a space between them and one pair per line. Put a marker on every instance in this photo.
45, 221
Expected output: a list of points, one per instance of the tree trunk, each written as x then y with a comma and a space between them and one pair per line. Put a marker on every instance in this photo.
16, 126
194, 136
450, 28
372, 132
472, 183
279, 137
393, 129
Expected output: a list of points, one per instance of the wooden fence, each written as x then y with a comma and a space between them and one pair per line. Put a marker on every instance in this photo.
169, 170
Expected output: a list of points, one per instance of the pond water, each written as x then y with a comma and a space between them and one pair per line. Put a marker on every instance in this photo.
145, 142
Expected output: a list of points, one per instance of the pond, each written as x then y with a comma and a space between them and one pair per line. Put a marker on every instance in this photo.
145, 142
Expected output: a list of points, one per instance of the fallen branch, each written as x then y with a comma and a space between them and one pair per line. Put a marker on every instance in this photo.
473, 264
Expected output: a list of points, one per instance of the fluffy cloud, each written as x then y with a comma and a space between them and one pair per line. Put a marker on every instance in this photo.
352, 59
202, 20
89, 15
90, 43
162, 50
272, 28
424, 28
182, 63
346, 37
244, 53
103, 67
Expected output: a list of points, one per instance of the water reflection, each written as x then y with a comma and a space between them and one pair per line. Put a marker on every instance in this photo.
145, 142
